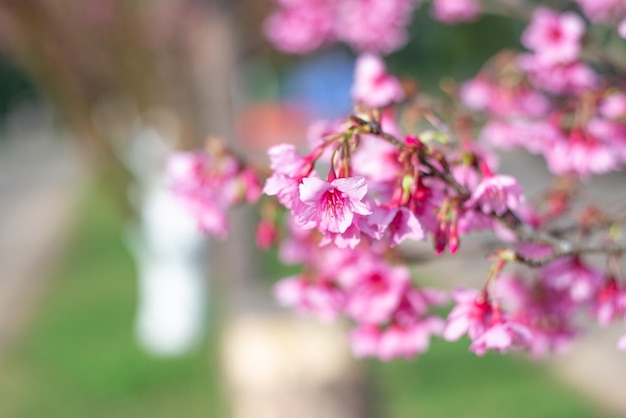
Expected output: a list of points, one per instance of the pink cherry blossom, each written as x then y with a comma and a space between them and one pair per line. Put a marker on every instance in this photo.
471, 315
502, 335
610, 303
602, 10
320, 298
289, 167
395, 224
331, 206
582, 153
207, 187
554, 37
373, 86
365, 341
570, 274
377, 293
476, 93
406, 341
454, 11
377, 26
496, 194
567, 78
301, 27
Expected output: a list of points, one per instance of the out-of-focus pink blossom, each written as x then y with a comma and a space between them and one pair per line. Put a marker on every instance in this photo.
502, 335
554, 37
570, 78
301, 27
407, 341
602, 11
496, 194
471, 315
582, 153
454, 11
610, 303
366, 25
365, 340
373, 86
377, 26
320, 298
207, 186
377, 293
613, 106
476, 93
570, 274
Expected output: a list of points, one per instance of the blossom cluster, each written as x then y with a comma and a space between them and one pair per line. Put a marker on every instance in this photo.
377, 26
550, 102
209, 184
349, 206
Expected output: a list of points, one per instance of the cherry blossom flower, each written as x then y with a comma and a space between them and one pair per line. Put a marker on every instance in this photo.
454, 11
301, 27
581, 281
502, 335
610, 303
373, 85
496, 194
602, 11
320, 298
406, 341
377, 26
396, 224
207, 186
331, 206
377, 293
471, 315
365, 340
554, 37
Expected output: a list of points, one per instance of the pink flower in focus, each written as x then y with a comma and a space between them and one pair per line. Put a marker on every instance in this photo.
496, 194
554, 37
332, 206
454, 11
373, 85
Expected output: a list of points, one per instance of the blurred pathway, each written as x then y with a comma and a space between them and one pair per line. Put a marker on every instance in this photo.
40, 183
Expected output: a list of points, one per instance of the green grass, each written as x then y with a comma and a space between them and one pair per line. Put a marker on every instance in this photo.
78, 358
449, 381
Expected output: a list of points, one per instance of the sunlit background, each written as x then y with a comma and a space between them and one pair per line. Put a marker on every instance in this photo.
113, 305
